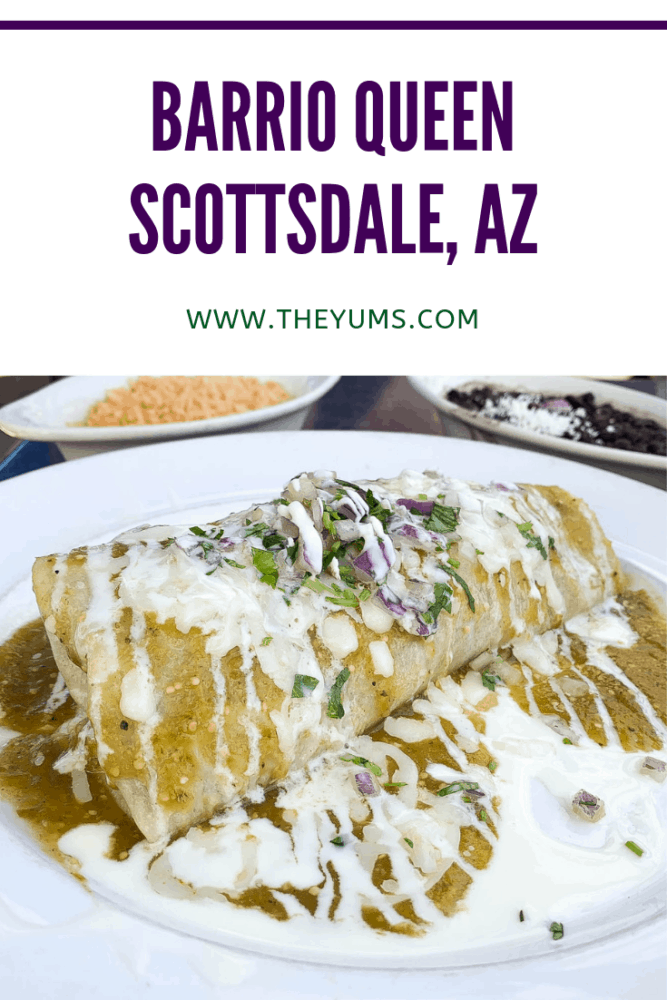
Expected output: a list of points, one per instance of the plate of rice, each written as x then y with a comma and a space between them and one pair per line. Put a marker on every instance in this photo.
84, 415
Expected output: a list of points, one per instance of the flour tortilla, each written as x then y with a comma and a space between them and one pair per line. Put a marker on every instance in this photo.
169, 774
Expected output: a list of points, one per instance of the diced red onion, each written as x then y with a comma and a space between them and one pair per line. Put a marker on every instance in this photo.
352, 506
347, 531
387, 550
364, 564
396, 607
287, 527
376, 560
407, 531
422, 627
588, 806
423, 506
365, 783
391, 601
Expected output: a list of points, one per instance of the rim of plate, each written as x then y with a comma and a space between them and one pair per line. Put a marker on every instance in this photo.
15, 420
160, 462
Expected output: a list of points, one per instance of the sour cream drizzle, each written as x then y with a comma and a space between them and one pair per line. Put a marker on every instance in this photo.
545, 861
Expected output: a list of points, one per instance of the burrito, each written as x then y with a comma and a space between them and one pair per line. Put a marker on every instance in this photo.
213, 659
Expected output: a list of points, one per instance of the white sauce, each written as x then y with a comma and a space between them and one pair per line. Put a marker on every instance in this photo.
312, 542
339, 635
546, 861
383, 661
137, 700
375, 618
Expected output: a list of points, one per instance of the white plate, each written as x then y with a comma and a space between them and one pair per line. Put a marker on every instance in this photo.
56, 939
49, 413
435, 388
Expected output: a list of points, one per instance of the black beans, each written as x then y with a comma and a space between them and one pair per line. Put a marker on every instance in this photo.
591, 422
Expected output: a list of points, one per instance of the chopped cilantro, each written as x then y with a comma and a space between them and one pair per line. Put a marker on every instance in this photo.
329, 517
565, 740
232, 562
302, 681
442, 519
422, 496
362, 762
521, 917
556, 931
267, 640
273, 541
283, 501
458, 786
335, 708
347, 575
395, 784
364, 595
454, 563
329, 554
479, 552
292, 551
337, 841
170, 541
316, 585
408, 841
441, 593
634, 848
490, 680
198, 531
257, 529
493, 764
348, 599
552, 544
265, 564
211, 571
376, 509
482, 815
462, 583
534, 542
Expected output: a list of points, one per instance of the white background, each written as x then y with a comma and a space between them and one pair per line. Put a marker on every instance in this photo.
75, 113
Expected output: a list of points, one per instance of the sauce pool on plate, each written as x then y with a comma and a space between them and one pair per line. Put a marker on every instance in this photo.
412, 828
